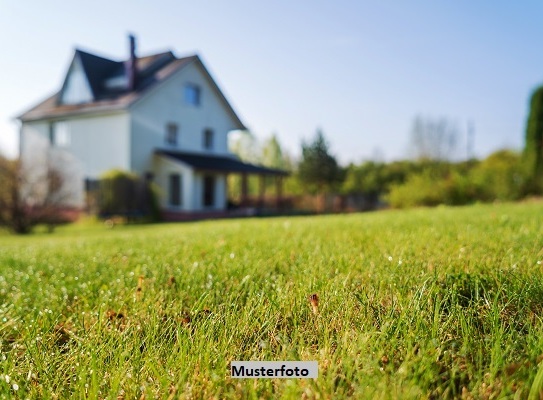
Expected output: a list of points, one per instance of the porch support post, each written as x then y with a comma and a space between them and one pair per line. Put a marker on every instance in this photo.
261, 190
244, 187
278, 191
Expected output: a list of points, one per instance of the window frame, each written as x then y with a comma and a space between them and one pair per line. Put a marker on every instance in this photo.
175, 197
172, 134
209, 197
208, 139
192, 94
59, 134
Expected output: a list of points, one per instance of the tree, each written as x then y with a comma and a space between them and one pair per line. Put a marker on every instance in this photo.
272, 154
499, 176
318, 168
433, 139
28, 198
245, 145
533, 150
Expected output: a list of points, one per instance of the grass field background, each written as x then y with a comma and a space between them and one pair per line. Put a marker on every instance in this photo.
430, 303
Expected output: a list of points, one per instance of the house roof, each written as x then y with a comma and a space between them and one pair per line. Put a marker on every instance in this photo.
219, 163
151, 71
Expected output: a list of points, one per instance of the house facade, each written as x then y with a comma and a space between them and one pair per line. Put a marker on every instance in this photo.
161, 117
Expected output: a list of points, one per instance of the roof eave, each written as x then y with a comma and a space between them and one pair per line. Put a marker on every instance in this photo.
260, 170
76, 113
239, 125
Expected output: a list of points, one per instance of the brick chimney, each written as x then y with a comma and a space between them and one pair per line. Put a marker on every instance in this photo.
131, 64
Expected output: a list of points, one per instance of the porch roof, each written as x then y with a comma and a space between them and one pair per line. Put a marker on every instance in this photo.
219, 163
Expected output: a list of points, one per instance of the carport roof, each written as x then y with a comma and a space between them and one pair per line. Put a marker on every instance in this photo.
219, 163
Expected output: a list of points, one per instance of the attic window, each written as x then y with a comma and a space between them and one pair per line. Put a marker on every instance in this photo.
192, 94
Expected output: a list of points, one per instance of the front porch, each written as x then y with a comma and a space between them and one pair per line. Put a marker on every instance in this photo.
196, 186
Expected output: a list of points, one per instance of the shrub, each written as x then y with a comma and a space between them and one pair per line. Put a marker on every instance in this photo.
499, 176
125, 194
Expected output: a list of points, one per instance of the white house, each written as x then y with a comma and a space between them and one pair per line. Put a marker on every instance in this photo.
159, 116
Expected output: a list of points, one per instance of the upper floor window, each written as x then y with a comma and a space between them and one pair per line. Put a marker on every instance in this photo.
172, 133
192, 94
59, 134
208, 139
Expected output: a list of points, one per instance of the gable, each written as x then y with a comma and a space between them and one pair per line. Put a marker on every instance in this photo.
95, 84
76, 87
172, 91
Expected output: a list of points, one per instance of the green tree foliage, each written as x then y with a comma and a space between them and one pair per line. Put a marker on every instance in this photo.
533, 151
272, 154
318, 169
245, 145
499, 176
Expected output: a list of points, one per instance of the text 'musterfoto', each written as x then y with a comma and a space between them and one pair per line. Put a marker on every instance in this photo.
274, 369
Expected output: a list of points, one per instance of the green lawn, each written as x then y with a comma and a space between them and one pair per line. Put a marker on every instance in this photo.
428, 303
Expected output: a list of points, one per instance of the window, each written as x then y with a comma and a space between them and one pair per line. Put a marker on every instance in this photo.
59, 135
192, 94
51, 133
172, 131
175, 190
208, 139
91, 185
209, 191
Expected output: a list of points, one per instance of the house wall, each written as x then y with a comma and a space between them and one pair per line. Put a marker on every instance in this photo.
39, 158
166, 104
220, 192
191, 183
100, 143
95, 145
164, 167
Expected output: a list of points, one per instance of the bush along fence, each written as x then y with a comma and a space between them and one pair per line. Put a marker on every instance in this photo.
122, 194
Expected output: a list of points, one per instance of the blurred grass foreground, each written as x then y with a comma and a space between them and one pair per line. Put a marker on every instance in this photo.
429, 303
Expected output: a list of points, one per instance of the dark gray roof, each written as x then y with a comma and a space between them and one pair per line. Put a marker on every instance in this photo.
151, 70
98, 69
219, 163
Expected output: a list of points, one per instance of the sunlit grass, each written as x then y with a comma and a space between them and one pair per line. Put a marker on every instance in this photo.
423, 303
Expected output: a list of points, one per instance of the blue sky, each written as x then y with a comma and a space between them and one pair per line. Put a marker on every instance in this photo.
360, 70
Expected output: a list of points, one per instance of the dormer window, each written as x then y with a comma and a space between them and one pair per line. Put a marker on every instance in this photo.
192, 94
172, 133
119, 82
